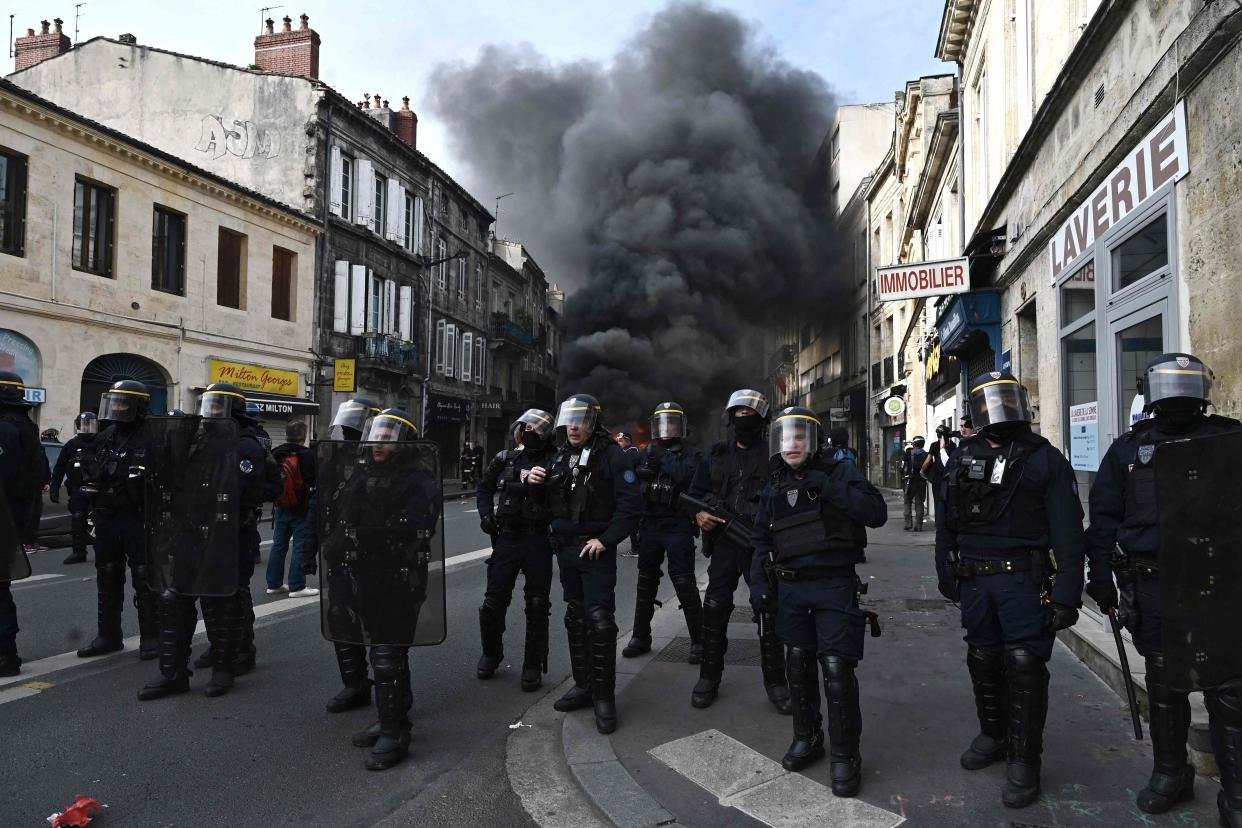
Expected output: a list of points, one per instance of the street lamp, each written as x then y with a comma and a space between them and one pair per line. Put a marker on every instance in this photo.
460, 254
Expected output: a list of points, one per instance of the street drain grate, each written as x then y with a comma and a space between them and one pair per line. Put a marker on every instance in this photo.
743, 652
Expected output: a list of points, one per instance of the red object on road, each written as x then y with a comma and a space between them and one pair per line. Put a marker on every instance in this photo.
77, 815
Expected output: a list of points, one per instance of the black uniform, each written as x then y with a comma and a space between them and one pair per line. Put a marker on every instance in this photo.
19, 475
736, 475
915, 488
518, 514
666, 529
940, 452
68, 471
594, 496
1124, 514
810, 530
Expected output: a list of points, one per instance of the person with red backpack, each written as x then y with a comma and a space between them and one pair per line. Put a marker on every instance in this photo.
291, 515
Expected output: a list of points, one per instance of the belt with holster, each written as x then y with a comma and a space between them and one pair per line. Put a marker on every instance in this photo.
969, 569
819, 573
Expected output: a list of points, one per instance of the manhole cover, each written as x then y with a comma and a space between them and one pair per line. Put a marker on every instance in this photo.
743, 652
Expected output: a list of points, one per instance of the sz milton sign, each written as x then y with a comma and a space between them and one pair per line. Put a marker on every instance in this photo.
920, 279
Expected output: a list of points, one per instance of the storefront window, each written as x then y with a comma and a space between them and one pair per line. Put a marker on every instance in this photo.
1137, 345
1142, 254
1081, 385
1078, 294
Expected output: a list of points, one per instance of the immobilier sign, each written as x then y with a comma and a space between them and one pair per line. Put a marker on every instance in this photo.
919, 279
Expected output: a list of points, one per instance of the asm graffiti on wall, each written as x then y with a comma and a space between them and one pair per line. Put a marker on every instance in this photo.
240, 138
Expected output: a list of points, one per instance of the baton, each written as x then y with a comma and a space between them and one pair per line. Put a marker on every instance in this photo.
1125, 673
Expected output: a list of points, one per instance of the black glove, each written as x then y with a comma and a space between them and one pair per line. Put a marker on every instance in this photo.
948, 584
1059, 617
1103, 593
53, 495
487, 524
759, 601
310, 562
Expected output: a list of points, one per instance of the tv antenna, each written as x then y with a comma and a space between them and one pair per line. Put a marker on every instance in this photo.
497, 213
263, 15
77, 15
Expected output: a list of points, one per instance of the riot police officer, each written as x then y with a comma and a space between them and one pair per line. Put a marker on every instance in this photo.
809, 534
68, 470
20, 484
666, 468
113, 477
1010, 496
596, 503
514, 511
1176, 390
352, 418
730, 479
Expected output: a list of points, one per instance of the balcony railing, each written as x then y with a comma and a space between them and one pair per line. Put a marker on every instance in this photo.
505, 331
388, 352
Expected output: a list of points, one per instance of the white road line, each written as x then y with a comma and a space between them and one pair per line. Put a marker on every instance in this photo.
52, 664
760, 788
44, 577
468, 510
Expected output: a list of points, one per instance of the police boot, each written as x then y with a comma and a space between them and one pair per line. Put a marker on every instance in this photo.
535, 661
808, 741
110, 578
176, 617
1027, 678
715, 625
772, 660
1225, 726
10, 664
987, 677
844, 725
246, 652
492, 631
225, 615
148, 614
392, 702
692, 608
1172, 777
604, 669
352, 661
644, 608
579, 696
79, 532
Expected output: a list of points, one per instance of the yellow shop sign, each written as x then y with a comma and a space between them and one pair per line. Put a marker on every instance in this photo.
255, 377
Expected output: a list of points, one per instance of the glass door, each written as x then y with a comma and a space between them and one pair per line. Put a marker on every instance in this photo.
1137, 339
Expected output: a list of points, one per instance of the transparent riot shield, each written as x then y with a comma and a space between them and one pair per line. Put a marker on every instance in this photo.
14, 565
381, 543
1199, 494
191, 504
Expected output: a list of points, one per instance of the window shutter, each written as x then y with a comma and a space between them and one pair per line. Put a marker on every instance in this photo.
358, 300
395, 204
419, 219
480, 350
467, 342
340, 299
390, 307
441, 333
334, 180
450, 350
364, 191
405, 314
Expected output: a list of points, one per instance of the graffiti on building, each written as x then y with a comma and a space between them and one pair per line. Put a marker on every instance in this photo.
241, 138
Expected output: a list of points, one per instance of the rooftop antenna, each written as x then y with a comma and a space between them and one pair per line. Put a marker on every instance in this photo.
263, 15
77, 15
11, 35
497, 214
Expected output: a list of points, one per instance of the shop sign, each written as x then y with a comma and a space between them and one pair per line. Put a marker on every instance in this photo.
36, 396
344, 378
894, 406
921, 279
488, 406
1084, 426
443, 410
1159, 158
255, 377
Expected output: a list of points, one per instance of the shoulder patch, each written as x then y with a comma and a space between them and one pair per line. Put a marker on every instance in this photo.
246, 466
629, 476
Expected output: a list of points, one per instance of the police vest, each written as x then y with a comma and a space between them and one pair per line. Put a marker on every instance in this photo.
116, 452
1140, 495
738, 482
517, 507
996, 492
806, 528
584, 494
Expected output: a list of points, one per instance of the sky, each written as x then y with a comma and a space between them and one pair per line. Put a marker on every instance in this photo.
866, 49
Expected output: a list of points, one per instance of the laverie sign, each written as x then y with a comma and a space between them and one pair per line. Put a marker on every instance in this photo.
921, 279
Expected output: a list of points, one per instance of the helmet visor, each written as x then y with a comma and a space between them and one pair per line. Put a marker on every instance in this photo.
88, 423
750, 398
999, 401
118, 406
794, 438
579, 413
390, 428
668, 424
220, 405
1170, 380
354, 414
539, 421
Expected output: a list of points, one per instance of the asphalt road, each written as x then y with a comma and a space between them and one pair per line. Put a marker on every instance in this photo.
267, 753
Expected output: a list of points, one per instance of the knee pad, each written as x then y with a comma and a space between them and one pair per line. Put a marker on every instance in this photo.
140, 573
985, 663
1026, 671
685, 582
836, 669
492, 604
602, 622
799, 658
1227, 701
573, 614
536, 604
112, 571
387, 662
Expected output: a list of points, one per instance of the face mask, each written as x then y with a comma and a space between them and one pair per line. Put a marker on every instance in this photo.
1004, 432
747, 429
532, 440
1177, 413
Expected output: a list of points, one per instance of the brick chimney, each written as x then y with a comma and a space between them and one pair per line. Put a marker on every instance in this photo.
36, 48
289, 51
407, 124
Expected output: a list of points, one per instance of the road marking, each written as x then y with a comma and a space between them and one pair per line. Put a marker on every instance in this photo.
760, 788
44, 577
469, 510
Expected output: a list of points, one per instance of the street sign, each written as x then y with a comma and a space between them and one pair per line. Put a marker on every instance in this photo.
344, 377
894, 406
918, 280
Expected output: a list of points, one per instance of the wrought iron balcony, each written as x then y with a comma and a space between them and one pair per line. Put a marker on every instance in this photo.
390, 352
504, 331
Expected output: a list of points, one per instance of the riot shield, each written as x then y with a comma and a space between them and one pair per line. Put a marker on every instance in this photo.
381, 543
14, 565
1199, 494
191, 504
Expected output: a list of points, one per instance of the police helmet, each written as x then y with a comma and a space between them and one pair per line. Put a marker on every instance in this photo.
997, 397
669, 422
86, 423
222, 401
354, 415
1176, 377
12, 389
747, 398
919, 442
533, 420
943, 430
127, 401
795, 436
254, 412
579, 410
392, 425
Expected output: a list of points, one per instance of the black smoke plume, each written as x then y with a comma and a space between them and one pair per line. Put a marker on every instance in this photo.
667, 190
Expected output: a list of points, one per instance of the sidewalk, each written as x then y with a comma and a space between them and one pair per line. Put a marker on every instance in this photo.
669, 763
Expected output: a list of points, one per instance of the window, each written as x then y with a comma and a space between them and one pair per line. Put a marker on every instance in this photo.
440, 334
1142, 254
981, 136
284, 267
479, 350
409, 222
1078, 294
230, 264
377, 217
441, 269
12, 203
461, 278
467, 355
168, 251
478, 285
347, 187
375, 304
419, 223
450, 349
93, 210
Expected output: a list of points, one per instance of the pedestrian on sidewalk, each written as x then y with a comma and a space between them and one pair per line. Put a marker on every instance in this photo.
1011, 497
291, 514
914, 491
731, 477
596, 503
68, 470
810, 533
514, 511
932, 470
1125, 514
839, 446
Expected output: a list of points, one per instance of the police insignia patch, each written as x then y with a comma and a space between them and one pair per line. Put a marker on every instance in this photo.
246, 466
1183, 362
1145, 453
629, 476
792, 496
995, 375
